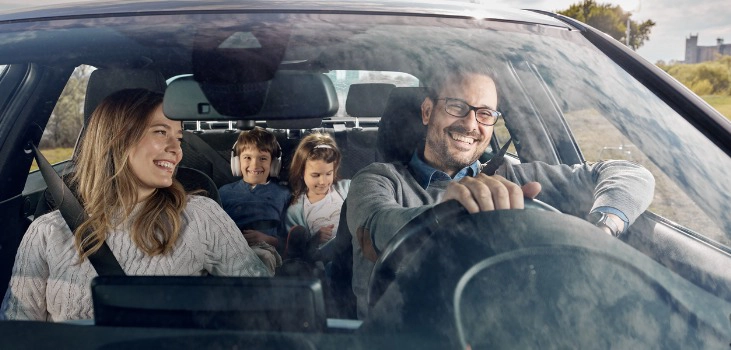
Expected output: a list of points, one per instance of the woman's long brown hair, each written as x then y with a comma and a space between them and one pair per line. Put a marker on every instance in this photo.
107, 186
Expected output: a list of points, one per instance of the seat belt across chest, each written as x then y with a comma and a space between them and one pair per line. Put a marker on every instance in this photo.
73, 213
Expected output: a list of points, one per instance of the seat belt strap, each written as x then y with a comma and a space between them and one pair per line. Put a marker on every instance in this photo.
73, 213
490, 167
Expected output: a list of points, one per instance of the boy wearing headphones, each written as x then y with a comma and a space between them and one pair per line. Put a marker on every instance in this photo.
255, 203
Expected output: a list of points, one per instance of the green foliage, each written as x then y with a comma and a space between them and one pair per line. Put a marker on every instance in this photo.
706, 78
611, 19
702, 87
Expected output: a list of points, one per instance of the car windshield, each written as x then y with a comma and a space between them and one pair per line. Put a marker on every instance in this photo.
550, 80
561, 99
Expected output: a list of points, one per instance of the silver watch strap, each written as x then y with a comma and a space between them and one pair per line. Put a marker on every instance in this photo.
608, 223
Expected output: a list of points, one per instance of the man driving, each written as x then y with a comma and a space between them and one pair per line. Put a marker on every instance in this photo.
459, 113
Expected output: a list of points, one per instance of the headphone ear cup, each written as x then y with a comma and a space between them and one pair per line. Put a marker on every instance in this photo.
276, 167
235, 165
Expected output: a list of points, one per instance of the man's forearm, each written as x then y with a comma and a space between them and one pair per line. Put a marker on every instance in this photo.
582, 188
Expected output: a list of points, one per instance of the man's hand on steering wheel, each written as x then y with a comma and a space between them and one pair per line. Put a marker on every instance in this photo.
484, 193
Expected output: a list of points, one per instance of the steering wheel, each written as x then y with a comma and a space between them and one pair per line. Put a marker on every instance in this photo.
413, 235
536, 278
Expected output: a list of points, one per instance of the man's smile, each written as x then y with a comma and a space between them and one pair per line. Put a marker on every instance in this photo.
463, 138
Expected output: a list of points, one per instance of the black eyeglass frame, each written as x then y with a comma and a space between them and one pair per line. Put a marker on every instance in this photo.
493, 113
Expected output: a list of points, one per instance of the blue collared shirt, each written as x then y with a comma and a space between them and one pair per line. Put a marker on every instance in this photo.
426, 174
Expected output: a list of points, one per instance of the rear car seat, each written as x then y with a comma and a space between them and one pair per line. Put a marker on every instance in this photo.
400, 131
401, 128
358, 144
309, 98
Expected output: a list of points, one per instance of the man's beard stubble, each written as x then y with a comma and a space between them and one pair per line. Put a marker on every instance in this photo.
440, 148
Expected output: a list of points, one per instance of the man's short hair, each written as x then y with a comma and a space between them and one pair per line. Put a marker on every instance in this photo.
440, 76
258, 138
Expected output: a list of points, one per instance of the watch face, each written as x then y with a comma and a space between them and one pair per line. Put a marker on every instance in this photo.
595, 217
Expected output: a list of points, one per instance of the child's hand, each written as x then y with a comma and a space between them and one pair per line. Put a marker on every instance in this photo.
326, 233
254, 236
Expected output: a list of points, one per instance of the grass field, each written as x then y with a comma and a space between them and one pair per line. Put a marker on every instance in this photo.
720, 103
54, 156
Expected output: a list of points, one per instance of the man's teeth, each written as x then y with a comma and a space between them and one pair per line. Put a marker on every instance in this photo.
461, 138
165, 164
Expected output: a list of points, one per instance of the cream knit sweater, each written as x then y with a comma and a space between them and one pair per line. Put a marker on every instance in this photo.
49, 284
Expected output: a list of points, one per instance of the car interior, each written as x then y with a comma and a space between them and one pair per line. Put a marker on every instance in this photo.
671, 273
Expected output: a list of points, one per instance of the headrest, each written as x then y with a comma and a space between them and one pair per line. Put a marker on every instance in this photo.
367, 100
290, 95
400, 129
105, 81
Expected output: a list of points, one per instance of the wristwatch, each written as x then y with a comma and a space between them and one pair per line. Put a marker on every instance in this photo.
602, 220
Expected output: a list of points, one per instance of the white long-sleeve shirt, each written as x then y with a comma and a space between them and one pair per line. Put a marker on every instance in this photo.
48, 283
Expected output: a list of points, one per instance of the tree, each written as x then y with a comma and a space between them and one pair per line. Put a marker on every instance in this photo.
68, 116
611, 19
705, 78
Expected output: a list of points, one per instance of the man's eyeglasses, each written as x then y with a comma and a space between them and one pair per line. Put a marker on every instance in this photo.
460, 109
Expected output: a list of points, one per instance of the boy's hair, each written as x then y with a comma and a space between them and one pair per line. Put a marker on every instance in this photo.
259, 138
315, 146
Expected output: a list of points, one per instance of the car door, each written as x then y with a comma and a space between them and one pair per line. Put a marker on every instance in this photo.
28, 93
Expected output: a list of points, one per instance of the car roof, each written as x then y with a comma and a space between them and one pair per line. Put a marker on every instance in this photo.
140, 7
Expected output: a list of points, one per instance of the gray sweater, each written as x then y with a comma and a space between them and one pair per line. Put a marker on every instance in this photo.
384, 197
48, 284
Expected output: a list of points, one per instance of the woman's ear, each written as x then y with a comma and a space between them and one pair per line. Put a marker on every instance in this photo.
426, 109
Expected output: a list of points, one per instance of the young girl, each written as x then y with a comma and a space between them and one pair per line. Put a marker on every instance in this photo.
316, 196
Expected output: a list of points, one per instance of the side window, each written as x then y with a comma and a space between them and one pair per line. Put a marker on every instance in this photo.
67, 118
502, 135
600, 140
592, 114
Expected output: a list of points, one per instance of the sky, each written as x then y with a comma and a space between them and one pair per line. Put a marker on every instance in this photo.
675, 20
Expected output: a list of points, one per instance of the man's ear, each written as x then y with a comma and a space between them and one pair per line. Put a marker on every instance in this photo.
426, 109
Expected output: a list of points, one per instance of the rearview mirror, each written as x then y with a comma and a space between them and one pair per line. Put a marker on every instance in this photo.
289, 95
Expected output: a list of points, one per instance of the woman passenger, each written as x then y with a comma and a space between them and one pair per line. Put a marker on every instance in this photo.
125, 179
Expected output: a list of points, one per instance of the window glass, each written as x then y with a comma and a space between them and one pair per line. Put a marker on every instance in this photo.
549, 80
600, 140
502, 135
67, 118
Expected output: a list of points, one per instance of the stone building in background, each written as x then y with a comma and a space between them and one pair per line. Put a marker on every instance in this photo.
697, 54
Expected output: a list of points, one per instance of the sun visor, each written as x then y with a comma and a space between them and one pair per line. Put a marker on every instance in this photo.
289, 95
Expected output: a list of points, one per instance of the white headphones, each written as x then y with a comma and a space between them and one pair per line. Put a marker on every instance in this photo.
273, 169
